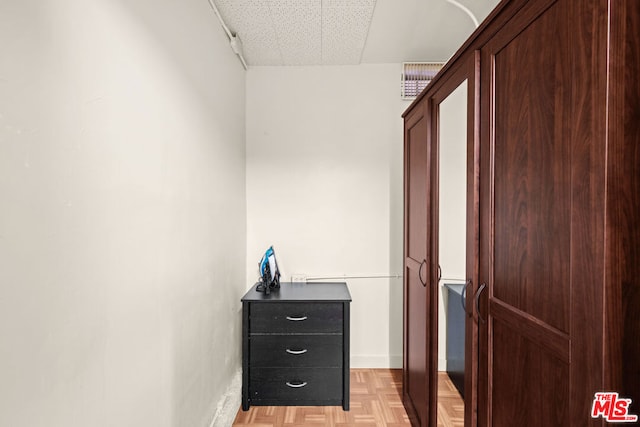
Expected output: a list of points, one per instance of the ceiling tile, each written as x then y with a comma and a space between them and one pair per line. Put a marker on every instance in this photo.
345, 25
251, 20
297, 24
336, 32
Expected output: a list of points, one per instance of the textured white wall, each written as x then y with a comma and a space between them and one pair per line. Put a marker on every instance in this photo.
122, 227
324, 186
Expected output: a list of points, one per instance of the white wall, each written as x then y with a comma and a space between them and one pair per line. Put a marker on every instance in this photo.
324, 186
122, 226
452, 203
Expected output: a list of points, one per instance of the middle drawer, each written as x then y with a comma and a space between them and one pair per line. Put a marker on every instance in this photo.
295, 350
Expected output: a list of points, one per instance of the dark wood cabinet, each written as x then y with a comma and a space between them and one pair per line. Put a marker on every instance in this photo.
296, 345
554, 300
422, 267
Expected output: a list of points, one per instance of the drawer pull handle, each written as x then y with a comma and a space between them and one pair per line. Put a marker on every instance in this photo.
296, 385
296, 351
296, 319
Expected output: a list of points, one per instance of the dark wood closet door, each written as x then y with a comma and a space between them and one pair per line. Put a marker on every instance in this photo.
416, 265
555, 182
541, 229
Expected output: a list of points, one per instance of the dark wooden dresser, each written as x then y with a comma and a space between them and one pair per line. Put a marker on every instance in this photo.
295, 346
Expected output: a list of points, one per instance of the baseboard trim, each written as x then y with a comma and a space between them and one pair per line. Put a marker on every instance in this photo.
376, 361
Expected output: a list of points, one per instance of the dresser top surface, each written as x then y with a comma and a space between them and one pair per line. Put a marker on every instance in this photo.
316, 291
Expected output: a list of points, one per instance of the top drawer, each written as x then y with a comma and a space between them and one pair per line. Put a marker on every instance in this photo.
290, 317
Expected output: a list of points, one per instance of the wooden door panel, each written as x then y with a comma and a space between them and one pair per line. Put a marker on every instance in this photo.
417, 189
417, 347
532, 194
533, 383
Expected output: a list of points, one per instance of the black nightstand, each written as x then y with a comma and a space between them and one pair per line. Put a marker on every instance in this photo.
295, 346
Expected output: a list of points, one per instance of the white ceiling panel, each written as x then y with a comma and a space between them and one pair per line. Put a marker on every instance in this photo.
337, 32
297, 24
251, 20
345, 25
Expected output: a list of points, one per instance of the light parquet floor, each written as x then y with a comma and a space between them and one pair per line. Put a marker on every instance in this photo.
450, 403
376, 401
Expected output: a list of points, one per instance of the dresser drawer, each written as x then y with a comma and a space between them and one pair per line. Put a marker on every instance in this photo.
290, 386
290, 317
295, 351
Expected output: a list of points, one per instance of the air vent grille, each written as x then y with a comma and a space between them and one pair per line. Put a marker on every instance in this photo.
416, 76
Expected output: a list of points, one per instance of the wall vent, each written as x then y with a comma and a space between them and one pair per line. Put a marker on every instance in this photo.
416, 76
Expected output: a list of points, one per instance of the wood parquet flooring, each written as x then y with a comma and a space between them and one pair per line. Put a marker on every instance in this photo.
376, 401
450, 403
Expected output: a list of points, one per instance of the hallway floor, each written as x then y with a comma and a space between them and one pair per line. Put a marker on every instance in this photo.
376, 400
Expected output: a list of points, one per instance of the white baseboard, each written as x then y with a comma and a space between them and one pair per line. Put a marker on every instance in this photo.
376, 361
229, 403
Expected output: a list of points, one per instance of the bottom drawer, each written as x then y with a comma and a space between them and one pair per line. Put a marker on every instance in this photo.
295, 386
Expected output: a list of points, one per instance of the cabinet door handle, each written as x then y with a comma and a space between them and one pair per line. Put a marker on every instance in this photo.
296, 385
424, 282
477, 298
439, 273
296, 351
297, 319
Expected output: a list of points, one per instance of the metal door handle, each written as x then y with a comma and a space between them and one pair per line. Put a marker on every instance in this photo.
296, 385
477, 298
297, 319
439, 273
296, 351
424, 282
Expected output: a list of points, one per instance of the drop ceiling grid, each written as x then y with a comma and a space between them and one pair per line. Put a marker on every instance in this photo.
251, 20
299, 32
